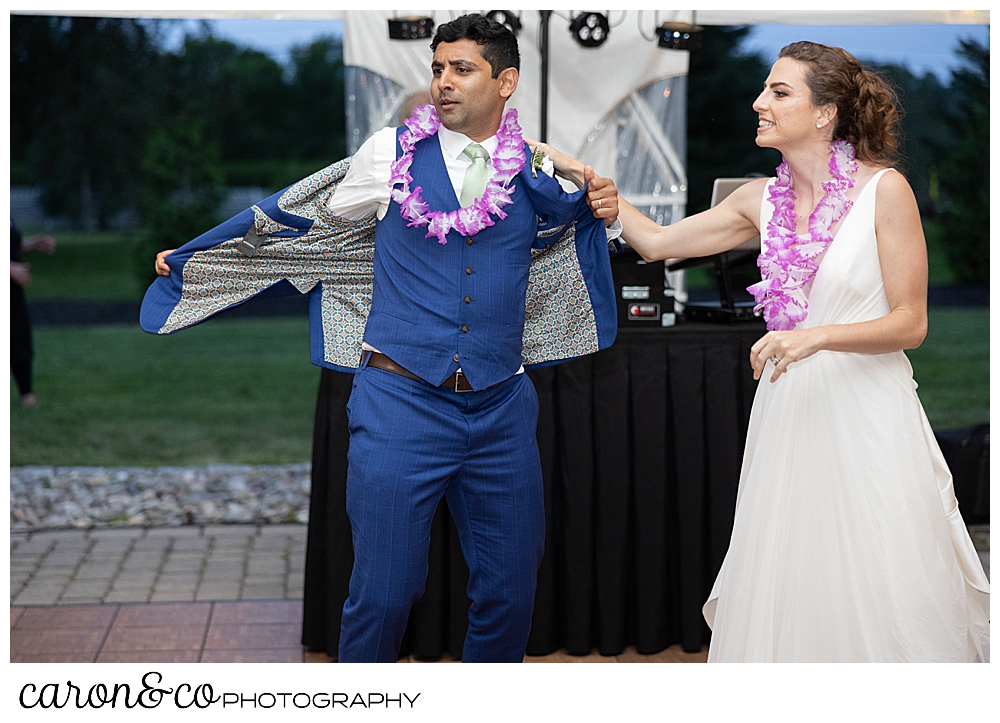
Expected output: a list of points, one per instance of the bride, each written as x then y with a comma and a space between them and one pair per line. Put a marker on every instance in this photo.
847, 544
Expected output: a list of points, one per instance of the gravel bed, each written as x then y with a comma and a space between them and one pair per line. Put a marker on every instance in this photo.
95, 497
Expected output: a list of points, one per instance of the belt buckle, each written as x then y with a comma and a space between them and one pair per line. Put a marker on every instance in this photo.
458, 377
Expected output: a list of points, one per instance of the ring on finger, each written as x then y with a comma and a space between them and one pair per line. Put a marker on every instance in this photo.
775, 360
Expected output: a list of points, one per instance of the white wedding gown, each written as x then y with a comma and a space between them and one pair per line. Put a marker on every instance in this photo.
848, 544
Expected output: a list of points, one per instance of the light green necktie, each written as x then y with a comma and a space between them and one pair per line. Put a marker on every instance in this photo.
476, 175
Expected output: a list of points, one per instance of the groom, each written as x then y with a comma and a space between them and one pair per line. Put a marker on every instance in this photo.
441, 406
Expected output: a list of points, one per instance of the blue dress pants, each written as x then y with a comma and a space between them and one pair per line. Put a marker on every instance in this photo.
411, 443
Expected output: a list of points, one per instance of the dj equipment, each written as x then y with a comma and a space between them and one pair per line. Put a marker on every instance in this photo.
643, 300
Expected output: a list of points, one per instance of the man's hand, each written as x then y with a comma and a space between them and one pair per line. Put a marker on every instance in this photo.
161, 262
602, 196
20, 273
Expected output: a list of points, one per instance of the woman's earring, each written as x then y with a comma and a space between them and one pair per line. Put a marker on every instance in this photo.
819, 125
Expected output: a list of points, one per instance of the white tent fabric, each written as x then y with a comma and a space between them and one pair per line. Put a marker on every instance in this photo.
585, 84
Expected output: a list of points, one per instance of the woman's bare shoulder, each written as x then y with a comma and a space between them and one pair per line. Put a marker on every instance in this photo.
747, 198
896, 206
893, 186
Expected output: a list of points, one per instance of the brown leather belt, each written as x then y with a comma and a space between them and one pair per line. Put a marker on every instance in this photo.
457, 382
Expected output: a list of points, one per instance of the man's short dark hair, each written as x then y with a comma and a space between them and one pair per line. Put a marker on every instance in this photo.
499, 46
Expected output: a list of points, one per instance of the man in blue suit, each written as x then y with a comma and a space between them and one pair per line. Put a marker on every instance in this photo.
440, 405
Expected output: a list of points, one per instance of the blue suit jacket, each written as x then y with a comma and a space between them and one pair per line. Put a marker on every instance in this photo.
569, 302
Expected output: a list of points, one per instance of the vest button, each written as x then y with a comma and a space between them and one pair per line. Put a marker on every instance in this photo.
465, 329
468, 299
468, 241
468, 269
455, 357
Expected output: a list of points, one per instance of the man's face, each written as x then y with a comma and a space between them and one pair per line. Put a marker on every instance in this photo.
467, 98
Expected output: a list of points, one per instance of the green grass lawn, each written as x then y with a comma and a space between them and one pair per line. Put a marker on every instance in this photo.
96, 267
952, 367
243, 391
226, 391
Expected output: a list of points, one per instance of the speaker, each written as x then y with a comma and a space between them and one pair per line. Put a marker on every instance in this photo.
967, 452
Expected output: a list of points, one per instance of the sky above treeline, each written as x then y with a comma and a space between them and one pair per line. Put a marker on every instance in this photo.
922, 48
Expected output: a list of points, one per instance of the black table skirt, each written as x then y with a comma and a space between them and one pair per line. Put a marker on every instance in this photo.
641, 446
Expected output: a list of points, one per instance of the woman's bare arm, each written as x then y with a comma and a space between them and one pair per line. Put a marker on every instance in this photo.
710, 232
719, 229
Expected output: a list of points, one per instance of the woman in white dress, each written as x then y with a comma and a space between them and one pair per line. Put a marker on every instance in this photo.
848, 544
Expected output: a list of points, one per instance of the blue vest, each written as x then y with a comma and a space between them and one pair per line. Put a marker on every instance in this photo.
437, 307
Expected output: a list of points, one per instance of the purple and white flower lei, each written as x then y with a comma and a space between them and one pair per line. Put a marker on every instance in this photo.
508, 160
788, 262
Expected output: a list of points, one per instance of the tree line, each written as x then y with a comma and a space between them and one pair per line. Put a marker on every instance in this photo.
105, 118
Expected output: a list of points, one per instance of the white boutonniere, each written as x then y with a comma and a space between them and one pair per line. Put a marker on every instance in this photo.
541, 162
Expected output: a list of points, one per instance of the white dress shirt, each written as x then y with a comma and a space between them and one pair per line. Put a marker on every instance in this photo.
365, 188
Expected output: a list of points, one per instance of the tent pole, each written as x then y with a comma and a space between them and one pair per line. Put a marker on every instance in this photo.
543, 134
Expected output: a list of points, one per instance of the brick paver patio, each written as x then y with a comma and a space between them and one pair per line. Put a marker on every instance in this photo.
212, 593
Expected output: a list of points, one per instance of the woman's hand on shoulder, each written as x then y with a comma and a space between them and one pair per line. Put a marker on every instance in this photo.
565, 166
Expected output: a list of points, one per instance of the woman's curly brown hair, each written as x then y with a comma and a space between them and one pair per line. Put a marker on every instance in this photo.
867, 106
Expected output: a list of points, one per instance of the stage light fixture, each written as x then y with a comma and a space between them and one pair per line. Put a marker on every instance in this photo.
590, 29
412, 27
507, 18
679, 36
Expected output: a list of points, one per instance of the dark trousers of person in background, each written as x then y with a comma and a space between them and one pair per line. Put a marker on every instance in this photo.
21, 351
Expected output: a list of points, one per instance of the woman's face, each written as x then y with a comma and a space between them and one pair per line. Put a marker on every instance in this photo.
785, 111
